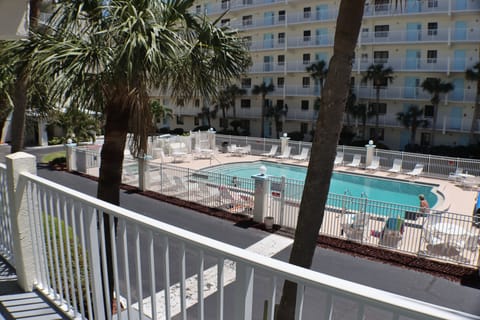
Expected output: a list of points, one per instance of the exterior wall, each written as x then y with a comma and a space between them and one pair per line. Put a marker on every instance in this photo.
13, 19
431, 38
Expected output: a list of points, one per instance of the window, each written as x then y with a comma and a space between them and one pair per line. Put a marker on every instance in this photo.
382, 107
363, 82
425, 139
245, 103
303, 127
432, 3
246, 83
306, 82
382, 5
304, 104
365, 32
225, 4
364, 57
380, 57
428, 111
247, 20
225, 22
381, 31
281, 37
280, 82
432, 28
247, 41
281, 15
307, 12
245, 125
431, 56
179, 119
306, 58
307, 35
196, 122
281, 60
198, 9
197, 103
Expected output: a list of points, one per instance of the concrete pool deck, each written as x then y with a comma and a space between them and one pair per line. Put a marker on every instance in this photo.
455, 198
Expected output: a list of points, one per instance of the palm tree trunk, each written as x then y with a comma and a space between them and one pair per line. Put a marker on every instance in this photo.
476, 114
116, 128
434, 125
324, 148
19, 113
263, 117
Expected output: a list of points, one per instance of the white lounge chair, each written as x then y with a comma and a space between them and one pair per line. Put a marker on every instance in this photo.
457, 175
272, 152
338, 159
356, 161
286, 153
303, 155
397, 166
374, 164
354, 226
236, 202
416, 171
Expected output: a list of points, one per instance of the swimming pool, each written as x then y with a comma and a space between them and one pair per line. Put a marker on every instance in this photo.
385, 190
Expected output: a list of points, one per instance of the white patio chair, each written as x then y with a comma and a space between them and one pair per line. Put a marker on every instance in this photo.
303, 155
356, 161
355, 226
236, 202
272, 152
338, 159
396, 167
457, 175
416, 171
286, 153
374, 164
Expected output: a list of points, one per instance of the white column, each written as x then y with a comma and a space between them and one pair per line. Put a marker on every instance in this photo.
370, 152
42, 133
262, 190
71, 156
143, 176
22, 236
284, 143
211, 138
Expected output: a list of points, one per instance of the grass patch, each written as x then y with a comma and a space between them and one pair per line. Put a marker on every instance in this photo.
52, 156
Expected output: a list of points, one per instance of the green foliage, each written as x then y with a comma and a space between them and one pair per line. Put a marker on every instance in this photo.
78, 125
59, 234
53, 156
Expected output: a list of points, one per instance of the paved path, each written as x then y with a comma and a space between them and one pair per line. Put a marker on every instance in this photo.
379, 275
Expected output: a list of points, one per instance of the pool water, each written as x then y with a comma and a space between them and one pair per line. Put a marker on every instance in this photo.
385, 190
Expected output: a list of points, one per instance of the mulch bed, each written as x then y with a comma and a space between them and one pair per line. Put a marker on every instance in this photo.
465, 275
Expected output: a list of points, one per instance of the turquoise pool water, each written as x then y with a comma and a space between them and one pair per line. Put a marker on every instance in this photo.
385, 190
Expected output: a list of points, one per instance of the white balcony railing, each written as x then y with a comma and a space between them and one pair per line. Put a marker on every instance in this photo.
64, 253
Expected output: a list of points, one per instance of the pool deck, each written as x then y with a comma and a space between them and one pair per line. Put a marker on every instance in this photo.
455, 198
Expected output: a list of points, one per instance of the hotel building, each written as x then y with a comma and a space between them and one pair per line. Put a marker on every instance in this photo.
418, 40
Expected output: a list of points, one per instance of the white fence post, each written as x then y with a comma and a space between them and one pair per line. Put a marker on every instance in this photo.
19, 207
262, 192
143, 174
71, 156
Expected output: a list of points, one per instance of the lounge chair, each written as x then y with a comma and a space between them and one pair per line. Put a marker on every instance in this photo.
236, 202
303, 156
355, 225
272, 152
392, 232
397, 166
416, 171
457, 175
356, 161
286, 153
338, 159
374, 164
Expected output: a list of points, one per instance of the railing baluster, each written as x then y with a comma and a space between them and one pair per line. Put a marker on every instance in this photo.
123, 233
83, 218
220, 284
299, 301
166, 263
273, 296
77, 262
200, 284
151, 263
183, 302
243, 291
138, 261
114, 251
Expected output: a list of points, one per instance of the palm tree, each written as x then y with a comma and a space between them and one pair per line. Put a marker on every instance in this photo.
324, 147
7, 81
263, 90
159, 112
21, 86
435, 87
277, 112
351, 101
473, 74
234, 91
411, 119
318, 71
360, 113
108, 56
380, 77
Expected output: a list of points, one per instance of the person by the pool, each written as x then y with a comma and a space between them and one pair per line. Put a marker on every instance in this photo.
423, 204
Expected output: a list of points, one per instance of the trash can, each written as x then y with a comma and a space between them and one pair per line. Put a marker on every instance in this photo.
225, 147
